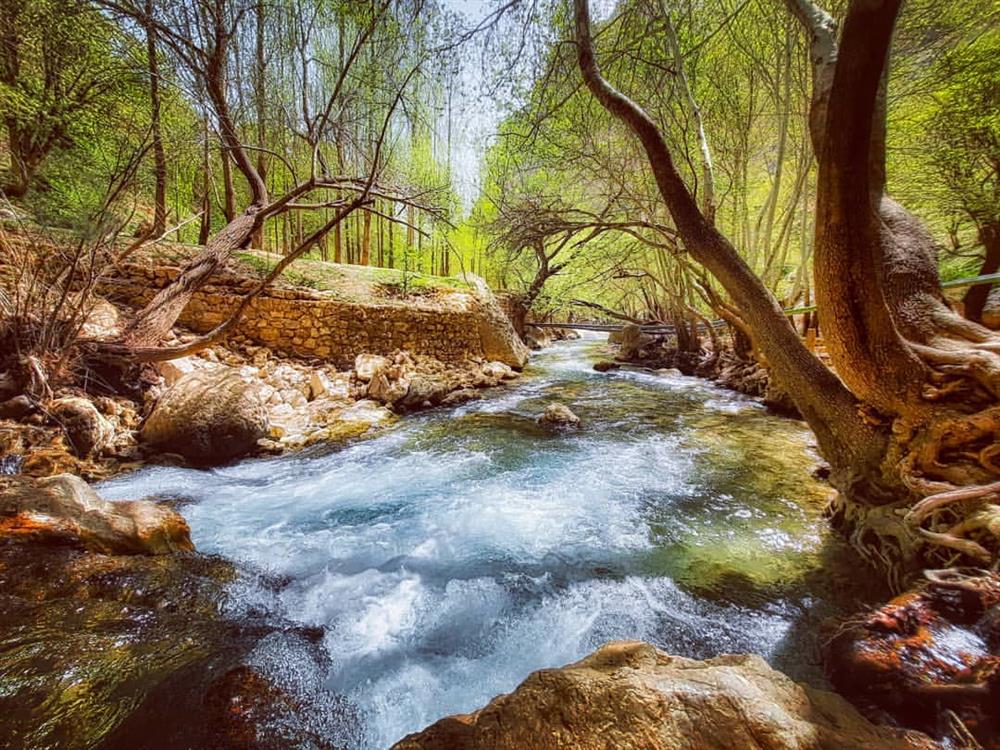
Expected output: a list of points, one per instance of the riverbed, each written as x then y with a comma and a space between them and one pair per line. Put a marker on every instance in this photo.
453, 554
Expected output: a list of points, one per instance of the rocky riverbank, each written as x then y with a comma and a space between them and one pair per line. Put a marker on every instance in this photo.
229, 402
113, 639
742, 374
631, 696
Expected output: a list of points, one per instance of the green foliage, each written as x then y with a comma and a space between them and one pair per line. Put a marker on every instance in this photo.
71, 101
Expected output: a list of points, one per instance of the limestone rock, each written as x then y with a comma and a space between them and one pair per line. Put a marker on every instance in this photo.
498, 371
366, 365
499, 340
366, 411
64, 509
287, 379
425, 390
208, 416
103, 321
173, 370
389, 384
558, 415
319, 385
536, 340
630, 696
86, 429
631, 342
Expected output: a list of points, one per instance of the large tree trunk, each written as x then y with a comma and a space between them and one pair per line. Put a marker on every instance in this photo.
975, 298
918, 417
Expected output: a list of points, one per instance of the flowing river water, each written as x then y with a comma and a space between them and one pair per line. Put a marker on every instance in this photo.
451, 555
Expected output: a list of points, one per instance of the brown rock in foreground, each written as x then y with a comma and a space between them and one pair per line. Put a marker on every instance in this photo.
630, 696
927, 656
64, 510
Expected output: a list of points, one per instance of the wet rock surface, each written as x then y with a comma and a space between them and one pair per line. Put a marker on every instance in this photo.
558, 415
156, 652
927, 659
629, 695
64, 510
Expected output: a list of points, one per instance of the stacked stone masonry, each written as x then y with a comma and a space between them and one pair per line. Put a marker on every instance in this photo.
314, 324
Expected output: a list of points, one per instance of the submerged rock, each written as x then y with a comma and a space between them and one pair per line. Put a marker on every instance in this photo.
606, 366
631, 696
208, 416
65, 510
151, 651
558, 415
927, 655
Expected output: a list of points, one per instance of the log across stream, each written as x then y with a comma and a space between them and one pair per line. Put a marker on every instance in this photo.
440, 562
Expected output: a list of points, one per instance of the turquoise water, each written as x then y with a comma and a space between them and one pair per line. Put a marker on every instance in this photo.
461, 549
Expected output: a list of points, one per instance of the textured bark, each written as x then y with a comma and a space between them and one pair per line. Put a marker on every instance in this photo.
867, 350
159, 154
160, 314
975, 298
832, 411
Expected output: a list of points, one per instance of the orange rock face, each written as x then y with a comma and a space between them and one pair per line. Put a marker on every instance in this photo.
631, 696
927, 656
65, 510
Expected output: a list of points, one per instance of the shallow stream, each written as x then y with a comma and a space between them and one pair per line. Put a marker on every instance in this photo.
461, 549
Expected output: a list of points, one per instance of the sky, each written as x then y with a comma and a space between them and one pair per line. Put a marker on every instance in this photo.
477, 120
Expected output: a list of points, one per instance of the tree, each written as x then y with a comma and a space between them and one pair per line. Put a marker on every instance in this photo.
58, 67
203, 41
159, 153
910, 420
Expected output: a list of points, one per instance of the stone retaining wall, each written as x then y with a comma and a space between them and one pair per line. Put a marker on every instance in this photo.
313, 324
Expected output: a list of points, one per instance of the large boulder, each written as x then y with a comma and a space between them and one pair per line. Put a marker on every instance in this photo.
497, 336
64, 510
208, 416
630, 696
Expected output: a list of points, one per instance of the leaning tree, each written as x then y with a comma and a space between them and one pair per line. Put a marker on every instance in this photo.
909, 418
203, 40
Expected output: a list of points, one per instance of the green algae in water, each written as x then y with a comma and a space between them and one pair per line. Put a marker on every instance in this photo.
458, 550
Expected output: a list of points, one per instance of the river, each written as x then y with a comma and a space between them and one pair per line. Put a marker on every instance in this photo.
459, 550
